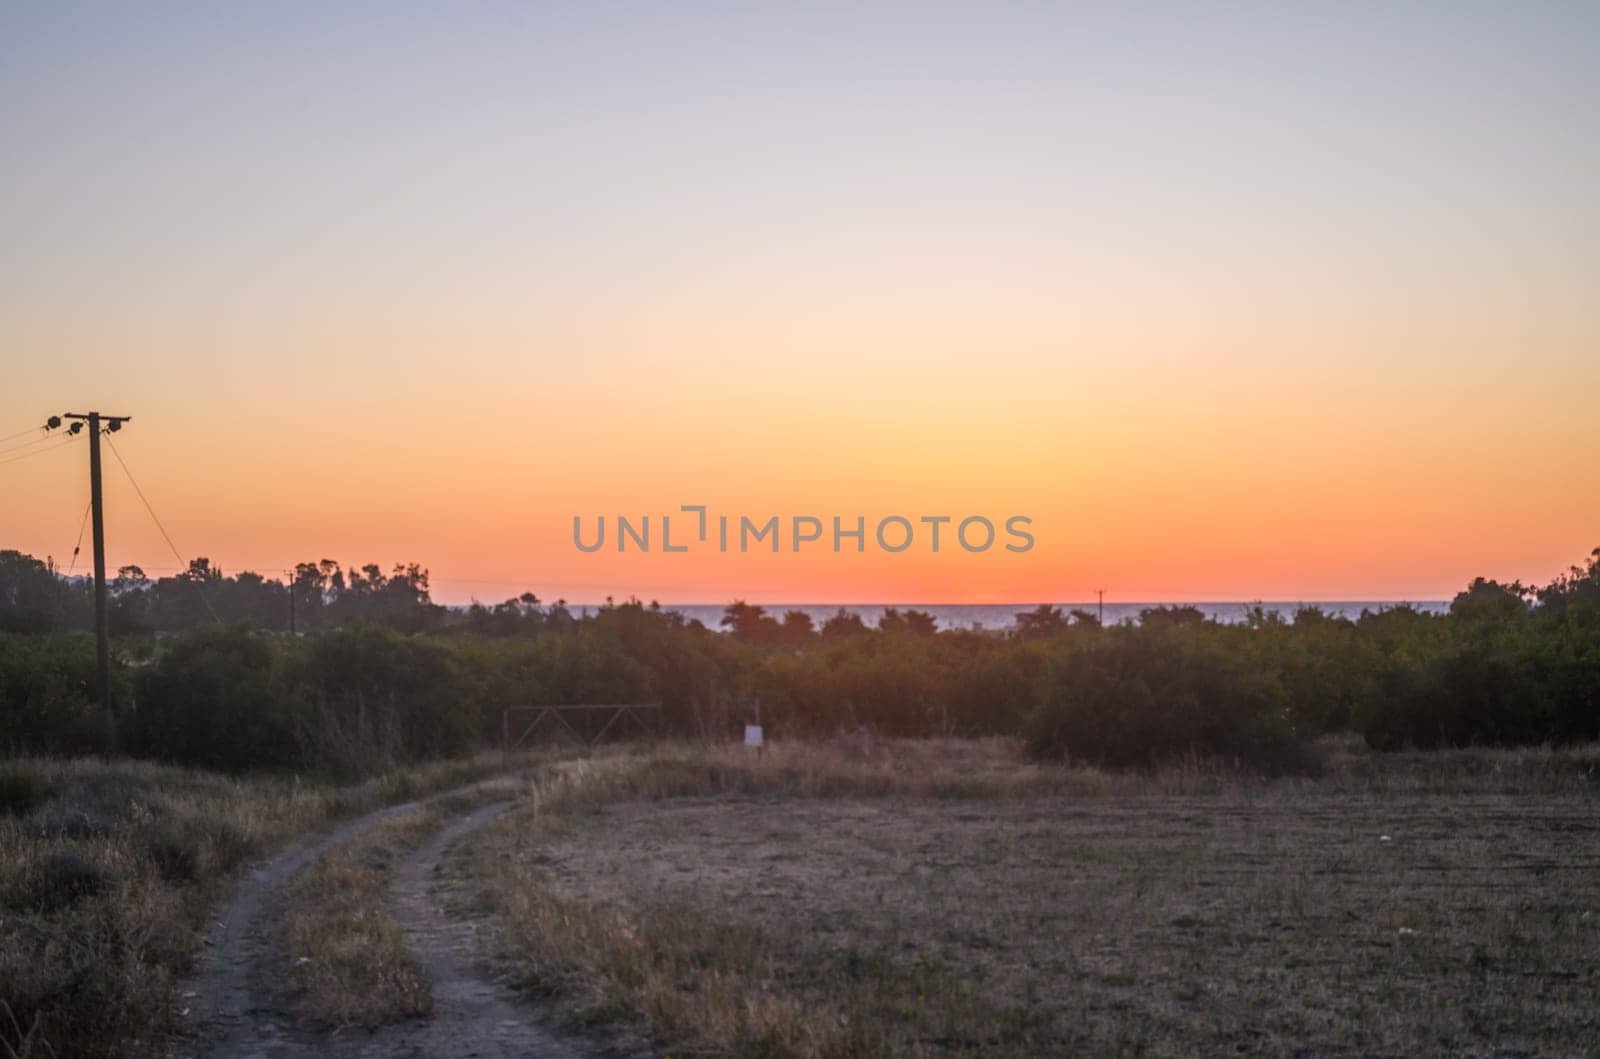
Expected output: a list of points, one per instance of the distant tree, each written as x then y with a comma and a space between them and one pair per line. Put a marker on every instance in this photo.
33, 598
201, 571
1171, 617
252, 600
750, 623
130, 601
1579, 586
559, 617
1043, 620
843, 624
399, 600
185, 600
518, 616
797, 628
1084, 619
1257, 617
367, 581
907, 623
1315, 617
1486, 600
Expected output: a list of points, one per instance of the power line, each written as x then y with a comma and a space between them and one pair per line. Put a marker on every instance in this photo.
81, 527
41, 439
157, 520
142, 499
19, 433
39, 452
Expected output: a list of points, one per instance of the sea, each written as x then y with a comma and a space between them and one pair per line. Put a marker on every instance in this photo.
996, 617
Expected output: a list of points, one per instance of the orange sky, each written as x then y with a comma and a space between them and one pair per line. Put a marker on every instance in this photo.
1272, 317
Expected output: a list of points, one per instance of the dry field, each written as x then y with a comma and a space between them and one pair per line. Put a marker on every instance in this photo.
858, 897
948, 899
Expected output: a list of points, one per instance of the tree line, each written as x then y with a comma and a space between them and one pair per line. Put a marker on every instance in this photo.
381, 675
35, 598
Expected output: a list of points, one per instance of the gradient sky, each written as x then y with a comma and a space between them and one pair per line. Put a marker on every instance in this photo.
1235, 300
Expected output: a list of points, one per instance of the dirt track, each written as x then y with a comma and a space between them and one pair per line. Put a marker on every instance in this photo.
235, 1010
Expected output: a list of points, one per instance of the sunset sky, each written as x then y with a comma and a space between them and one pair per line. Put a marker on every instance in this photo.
1234, 301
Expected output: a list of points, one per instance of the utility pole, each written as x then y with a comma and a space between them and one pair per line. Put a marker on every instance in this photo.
102, 627
1102, 618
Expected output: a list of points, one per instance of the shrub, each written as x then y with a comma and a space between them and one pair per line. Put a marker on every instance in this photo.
176, 854
44, 695
66, 876
1142, 697
1488, 694
216, 698
377, 698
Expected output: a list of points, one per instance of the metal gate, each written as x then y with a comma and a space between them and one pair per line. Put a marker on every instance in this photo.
637, 712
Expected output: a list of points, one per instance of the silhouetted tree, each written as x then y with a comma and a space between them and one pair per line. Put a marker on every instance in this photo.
750, 624
1169, 617
34, 598
797, 628
1043, 620
842, 625
1486, 600
907, 623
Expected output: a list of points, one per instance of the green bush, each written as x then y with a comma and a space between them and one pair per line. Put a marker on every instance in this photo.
374, 698
218, 698
45, 683
1142, 697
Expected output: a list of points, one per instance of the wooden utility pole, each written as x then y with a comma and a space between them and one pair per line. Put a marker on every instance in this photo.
102, 623
1102, 618
102, 626
289, 580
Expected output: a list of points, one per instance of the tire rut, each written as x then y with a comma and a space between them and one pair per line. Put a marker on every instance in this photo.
230, 1013
235, 1001
472, 1015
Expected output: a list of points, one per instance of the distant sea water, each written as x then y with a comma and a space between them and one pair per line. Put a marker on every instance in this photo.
999, 616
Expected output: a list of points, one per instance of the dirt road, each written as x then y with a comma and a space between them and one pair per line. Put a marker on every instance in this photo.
236, 1010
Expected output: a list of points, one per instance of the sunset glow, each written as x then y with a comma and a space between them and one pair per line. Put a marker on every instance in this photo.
1298, 308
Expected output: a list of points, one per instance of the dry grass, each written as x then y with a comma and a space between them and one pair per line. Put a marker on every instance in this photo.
107, 872
347, 960
867, 766
933, 899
